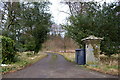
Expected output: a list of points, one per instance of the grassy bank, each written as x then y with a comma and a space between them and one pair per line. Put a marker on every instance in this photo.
106, 65
24, 59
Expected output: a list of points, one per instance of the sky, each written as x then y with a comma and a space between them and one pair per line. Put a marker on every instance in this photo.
58, 10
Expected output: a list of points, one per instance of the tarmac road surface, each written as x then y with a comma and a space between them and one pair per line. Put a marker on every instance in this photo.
55, 66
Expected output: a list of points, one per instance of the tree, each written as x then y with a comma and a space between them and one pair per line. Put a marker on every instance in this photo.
108, 23
40, 23
100, 21
11, 25
26, 23
76, 7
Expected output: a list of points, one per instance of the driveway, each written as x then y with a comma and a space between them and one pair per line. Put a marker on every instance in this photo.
55, 66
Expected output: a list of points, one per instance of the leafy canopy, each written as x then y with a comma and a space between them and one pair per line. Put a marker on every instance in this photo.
99, 20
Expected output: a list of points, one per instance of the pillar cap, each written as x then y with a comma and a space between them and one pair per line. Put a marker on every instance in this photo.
92, 37
79, 49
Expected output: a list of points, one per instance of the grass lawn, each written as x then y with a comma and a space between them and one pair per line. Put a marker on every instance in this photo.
24, 59
106, 64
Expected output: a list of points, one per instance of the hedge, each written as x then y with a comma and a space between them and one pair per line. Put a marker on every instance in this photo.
8, 50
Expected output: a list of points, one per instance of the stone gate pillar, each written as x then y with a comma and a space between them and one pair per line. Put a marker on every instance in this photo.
92, 48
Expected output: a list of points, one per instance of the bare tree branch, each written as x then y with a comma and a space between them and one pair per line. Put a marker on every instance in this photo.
65, 12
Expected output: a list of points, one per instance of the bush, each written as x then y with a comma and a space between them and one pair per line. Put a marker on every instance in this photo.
8, 50
30, 47
20, 47
30, 54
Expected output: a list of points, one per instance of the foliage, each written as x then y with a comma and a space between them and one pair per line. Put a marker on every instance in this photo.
20, 47
98, 20
29, 54
8, 52
41, 24
27, 43
26, 23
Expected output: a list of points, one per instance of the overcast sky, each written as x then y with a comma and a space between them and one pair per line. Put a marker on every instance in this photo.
57, 7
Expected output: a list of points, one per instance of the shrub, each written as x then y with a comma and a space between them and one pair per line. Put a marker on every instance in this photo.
29, 54
8, 49
20, 47
30, 47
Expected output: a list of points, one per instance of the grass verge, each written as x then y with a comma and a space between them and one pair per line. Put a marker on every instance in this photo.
106, 65
24, 61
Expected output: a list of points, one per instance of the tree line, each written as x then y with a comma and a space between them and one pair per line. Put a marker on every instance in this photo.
93, 18
26, 23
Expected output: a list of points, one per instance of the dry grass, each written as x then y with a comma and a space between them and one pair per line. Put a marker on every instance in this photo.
68, 56
23, 62
108, 65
